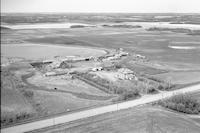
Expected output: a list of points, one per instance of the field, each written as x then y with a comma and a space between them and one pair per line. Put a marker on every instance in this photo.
56, 103
181, 77
38, 52
139, 41
64, 84
140, 119
63, 52
13, 102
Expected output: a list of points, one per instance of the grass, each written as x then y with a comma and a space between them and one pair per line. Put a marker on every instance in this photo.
28, 93
180, 77
194, 33
182, 103
141, 69
15, 107
144, 119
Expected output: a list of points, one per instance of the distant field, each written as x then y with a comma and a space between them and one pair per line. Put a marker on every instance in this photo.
141, 69
155, 49
180, 77
96, 17
139, 119
154, 45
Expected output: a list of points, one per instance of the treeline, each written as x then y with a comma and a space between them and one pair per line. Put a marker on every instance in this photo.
130, 90
162, 85
182, 103
13, 119
176, 30
122, 26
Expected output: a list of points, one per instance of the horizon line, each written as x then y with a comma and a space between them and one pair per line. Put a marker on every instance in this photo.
104, 12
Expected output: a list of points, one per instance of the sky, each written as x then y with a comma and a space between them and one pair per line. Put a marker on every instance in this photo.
131, 6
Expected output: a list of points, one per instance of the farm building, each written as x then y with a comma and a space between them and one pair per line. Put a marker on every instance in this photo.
97, 69
140, 56
55, 64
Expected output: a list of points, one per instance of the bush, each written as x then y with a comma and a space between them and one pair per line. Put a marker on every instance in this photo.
77, 26
182, 103
4, 120
160, 87
118, 66
28, 93
151, 90
146, 88
20, 85
129, 95
7, 120
65, 64
11, 120
165, 86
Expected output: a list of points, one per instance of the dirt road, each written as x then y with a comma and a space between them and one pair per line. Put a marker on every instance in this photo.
96, 111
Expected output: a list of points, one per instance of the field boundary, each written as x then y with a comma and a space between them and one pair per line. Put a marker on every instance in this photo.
92, 83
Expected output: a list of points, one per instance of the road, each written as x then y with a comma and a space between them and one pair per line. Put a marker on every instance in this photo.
96, 111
